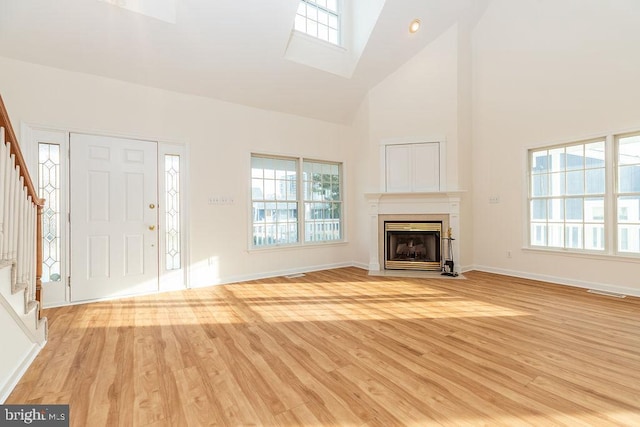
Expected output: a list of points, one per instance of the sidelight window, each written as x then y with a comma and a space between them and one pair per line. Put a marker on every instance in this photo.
173, 253
49, 188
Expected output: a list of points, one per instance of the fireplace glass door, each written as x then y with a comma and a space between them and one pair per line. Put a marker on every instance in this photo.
413, 245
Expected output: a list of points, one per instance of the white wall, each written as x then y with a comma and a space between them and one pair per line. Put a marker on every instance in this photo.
365, 175
464, 146
220, 137
18, 350
419, 99
547, 71
429, 96
16, 357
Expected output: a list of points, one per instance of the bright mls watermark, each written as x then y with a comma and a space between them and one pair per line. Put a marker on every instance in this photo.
34, 415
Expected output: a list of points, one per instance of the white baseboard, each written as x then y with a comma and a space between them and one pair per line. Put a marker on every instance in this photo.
559, 280
465, 268
362, 265
7, 385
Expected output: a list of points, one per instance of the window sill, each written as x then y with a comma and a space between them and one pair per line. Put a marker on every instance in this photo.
297, 246
321, 42
585, 255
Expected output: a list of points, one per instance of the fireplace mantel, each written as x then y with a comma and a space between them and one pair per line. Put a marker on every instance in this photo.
413, 194
386, 206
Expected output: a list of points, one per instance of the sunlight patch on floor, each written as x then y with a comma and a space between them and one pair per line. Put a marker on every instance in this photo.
295, 302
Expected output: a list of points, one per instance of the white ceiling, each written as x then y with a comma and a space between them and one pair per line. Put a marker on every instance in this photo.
225, 49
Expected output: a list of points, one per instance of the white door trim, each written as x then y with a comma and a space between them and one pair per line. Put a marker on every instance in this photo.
58, 295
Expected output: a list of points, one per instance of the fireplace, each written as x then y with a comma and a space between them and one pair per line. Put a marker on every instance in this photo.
413, 208
414, 245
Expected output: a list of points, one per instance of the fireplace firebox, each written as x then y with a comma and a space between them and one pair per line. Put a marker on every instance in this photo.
414, 245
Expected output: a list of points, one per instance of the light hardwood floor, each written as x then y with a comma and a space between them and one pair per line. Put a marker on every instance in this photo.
343, 348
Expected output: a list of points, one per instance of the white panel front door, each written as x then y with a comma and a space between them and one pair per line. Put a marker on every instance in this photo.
114, 217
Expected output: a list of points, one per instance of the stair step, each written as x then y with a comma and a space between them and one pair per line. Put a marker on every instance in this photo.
18, 287
31, 305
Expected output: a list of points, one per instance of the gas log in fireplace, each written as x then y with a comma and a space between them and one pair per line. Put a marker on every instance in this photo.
413, 245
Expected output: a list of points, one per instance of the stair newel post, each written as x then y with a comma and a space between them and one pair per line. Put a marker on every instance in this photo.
40, 207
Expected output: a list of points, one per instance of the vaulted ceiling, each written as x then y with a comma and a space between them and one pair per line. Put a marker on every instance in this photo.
225, 49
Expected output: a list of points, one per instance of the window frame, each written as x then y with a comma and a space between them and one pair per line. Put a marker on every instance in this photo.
172, 211
338, 13
564, 196
610, 232
308, 200
618, 194
60, 211
301, 202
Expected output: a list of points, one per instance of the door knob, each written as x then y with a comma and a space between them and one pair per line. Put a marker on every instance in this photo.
152, 227
152, 206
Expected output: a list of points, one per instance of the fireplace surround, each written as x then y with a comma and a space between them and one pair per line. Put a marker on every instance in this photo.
438, 207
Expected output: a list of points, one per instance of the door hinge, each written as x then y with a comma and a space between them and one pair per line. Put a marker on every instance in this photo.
69, 281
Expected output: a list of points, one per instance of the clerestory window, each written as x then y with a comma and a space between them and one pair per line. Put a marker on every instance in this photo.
320, 19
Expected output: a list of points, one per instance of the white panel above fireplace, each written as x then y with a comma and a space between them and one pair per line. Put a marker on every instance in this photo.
413, 165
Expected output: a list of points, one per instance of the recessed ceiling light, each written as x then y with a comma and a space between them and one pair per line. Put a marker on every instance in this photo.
414, 26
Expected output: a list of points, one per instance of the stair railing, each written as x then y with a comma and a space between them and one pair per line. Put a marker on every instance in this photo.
20, 216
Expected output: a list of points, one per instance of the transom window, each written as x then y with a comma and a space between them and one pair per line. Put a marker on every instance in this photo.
320, 19
285, 202
572, 205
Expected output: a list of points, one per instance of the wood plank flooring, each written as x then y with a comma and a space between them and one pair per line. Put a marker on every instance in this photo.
341, 348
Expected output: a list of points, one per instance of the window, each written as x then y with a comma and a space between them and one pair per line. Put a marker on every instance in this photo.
571, 204
322, 201
567, 196
320, 19
281, 210
49, 187
628, 193
275, 201
172, 212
